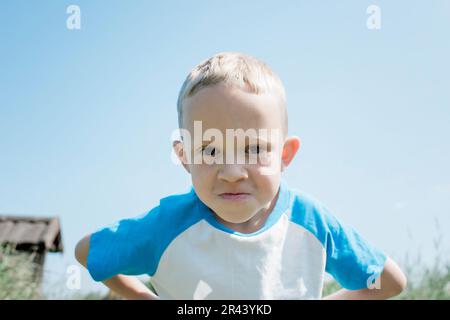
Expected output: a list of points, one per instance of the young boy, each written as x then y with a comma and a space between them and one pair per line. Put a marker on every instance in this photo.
241, 232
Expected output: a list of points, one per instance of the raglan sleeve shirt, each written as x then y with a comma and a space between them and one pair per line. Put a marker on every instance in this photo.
134, 246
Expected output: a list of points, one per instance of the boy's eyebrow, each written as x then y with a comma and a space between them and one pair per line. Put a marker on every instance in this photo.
257, 140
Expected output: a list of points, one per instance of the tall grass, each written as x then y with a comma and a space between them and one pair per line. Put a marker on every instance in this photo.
17, 271
428, 282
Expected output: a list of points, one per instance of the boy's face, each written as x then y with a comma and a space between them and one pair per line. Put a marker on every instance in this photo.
236, 190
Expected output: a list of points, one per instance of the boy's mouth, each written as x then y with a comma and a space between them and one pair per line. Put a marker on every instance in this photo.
234, 196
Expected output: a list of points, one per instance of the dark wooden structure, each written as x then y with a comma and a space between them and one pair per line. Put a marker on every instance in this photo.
33, 235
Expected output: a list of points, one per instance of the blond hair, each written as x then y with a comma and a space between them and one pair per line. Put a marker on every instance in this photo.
236, 69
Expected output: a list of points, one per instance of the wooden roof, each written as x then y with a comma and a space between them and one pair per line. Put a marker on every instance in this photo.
31, 233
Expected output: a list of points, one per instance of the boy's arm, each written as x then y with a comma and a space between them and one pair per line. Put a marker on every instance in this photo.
126, 286
392, 283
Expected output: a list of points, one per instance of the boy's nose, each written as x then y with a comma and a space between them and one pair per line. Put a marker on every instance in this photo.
232, 172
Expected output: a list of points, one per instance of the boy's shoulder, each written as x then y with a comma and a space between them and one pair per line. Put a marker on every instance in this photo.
185, 199
179, 209
306, 205
174, 214
310, 213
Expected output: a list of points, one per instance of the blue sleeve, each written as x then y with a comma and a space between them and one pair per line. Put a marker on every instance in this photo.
351, 260
126, 247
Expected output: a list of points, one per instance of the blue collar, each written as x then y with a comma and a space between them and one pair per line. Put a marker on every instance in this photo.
280, 207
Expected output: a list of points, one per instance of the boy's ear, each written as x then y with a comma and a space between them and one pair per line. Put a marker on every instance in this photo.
290, 148
179, 151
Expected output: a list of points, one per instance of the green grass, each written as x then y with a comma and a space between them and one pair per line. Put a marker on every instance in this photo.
16, 275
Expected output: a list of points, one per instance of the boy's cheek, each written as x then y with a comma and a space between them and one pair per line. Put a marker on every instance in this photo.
201, 174
270, 165
269, 171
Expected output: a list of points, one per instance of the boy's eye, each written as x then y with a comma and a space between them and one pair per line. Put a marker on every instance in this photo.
254, 149
250, 149
209, 151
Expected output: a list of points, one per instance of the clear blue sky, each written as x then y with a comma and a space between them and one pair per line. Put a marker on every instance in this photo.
86, 115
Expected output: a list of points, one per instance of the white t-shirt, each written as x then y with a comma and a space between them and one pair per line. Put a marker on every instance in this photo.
190, 255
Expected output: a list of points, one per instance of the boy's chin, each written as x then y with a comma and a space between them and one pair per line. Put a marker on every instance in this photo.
235, 218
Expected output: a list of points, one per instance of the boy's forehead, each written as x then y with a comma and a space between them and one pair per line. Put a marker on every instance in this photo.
220, 107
